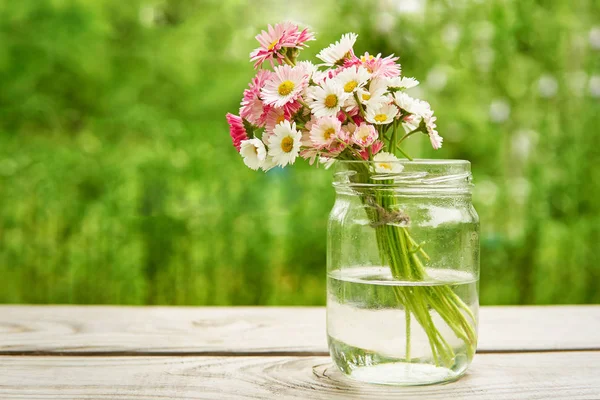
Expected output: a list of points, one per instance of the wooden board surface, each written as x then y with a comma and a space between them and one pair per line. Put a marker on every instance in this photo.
561, 375
259, 330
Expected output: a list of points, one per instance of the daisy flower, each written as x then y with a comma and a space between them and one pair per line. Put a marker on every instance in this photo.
364, 135
325, 131
309, 68
236, 130
328, 99
268, 163
434, 137
284, 144
273, 118
379, 67
402, 83
352, 78
387, 163
347, 132
285, 86
338, 51
411, 122
412, 105
291, 109
310, 154
382, 114
276, 39
326, 162
302, 37
375, 94
252, 106
254, 153
375, 148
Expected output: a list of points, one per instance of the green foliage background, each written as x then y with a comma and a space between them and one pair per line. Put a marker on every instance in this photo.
119, 184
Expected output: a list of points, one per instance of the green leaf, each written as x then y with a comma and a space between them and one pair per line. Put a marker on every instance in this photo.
249, 128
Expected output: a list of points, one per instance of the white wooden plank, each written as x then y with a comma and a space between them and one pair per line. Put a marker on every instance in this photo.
283, 330
562, 375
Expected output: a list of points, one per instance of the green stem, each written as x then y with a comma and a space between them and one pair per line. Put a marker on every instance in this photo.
347, 115
393, 139
288, 60
409, 134
303, 103
360, 106
404, 154
403, 255
407, 324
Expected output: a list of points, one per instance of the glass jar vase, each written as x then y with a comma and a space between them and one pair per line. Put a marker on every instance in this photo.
403, 271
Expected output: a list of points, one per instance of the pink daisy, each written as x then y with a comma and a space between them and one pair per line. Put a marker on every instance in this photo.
285, 86
276, 39
310, 154
324, 132
375, 148
364, 135
274, 117
377, 66
291, 109
434, 137
335, 149
252, 106
236, 130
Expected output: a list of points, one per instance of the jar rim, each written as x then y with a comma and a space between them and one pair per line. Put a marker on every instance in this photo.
414, 161
421, 176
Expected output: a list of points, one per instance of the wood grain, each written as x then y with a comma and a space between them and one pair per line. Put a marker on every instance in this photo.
562, 375
258, 330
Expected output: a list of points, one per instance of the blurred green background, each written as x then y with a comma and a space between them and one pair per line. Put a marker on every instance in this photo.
119, 184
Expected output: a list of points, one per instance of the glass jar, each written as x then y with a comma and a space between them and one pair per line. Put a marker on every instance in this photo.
403, 271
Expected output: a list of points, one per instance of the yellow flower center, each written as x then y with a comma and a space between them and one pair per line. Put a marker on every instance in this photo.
364, 59
350, 86
327, 134
272, 45
331, 101
287, 144
385, 166
366, 96
280, 119
286, 88
380, 117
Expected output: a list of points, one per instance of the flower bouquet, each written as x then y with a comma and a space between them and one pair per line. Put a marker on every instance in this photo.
354, 109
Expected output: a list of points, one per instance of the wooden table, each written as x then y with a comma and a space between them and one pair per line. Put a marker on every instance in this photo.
66, 352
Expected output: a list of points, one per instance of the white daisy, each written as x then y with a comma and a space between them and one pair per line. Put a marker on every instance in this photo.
268, 164
402, 83
381, 114
325, 131
375, 94
387, 163
284, 144
309, 68
352, 78
328, 99
285, 86
411, 105
327, 162
411, 122
335, 53
254, 153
